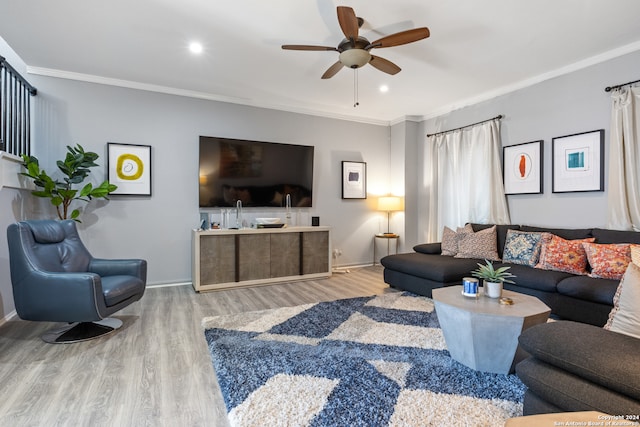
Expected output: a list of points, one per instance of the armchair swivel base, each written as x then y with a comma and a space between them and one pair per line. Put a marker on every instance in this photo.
81, 331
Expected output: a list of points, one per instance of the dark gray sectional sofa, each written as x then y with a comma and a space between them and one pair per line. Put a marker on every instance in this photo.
574, 364
572, 297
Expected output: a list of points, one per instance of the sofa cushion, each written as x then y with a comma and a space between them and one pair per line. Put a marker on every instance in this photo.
541, 280
522, 247
615, 236
451, 238
590, 289
591, 356
480, 245
438, 268
569, 392
428, 248
565, 233
608, 261
625, 316
563, 255
502, 233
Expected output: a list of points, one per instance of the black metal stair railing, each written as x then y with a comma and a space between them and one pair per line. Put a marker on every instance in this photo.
15, 110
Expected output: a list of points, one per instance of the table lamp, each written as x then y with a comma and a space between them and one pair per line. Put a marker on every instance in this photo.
389, 204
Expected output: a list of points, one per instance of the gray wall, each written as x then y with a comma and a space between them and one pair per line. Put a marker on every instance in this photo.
564, 105
158, 228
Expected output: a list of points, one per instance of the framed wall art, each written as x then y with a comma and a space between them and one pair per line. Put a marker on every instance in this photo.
522, 168
578, 162
129, 167
354, 180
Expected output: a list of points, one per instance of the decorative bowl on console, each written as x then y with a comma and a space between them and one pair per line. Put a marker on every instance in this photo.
268, 220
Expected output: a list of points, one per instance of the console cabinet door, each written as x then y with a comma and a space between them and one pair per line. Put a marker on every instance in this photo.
315, 250
285, 254
217, 259
254, 256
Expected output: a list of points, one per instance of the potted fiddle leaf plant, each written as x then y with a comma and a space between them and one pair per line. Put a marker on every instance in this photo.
75, 168
493, 278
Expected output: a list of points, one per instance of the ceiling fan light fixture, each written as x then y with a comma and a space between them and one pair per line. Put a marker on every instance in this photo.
355, 58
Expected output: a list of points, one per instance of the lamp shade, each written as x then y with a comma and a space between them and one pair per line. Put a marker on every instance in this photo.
390, 203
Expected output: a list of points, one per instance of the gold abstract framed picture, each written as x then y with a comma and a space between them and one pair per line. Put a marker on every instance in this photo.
522, 168
129, 167
578, 162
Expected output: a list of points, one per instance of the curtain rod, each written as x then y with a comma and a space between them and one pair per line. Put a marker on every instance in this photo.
498, 117
610, 88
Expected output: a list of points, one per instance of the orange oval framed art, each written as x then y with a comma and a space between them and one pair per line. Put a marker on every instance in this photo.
522, 168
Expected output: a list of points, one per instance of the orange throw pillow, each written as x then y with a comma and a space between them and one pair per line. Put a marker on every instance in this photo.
564, 255
608, 261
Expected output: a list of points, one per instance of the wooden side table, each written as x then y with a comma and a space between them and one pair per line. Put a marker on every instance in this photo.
389, 237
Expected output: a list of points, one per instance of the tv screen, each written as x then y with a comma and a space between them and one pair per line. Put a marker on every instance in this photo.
260, 174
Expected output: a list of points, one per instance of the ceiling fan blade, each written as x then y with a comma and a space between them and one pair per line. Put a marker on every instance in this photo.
331, 71
384, 65
348, 22
307, 47
400, 38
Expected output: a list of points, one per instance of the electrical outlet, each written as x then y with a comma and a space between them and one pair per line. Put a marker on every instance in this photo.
337, 253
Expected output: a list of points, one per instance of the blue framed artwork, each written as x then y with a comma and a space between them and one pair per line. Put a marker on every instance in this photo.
578, 162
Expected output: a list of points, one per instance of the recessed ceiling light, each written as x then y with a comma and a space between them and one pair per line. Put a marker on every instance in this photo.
384, 88
195, 48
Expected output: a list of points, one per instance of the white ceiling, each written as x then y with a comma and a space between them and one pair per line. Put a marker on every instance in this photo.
477, 49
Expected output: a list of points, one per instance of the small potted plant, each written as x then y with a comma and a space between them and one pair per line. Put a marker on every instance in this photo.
493, 278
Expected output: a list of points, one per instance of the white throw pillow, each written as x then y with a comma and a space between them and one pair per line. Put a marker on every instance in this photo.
625, 316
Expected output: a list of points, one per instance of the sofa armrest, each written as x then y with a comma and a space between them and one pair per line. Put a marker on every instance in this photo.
603, 357
429, 248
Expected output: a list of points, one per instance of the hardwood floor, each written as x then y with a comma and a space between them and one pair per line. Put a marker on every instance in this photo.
154, 371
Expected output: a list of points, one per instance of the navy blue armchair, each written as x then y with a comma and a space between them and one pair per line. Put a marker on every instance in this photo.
55, 279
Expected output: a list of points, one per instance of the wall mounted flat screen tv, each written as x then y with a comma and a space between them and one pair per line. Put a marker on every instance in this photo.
260, 174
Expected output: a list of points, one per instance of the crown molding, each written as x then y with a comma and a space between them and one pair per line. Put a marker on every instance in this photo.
576, 66
90, 78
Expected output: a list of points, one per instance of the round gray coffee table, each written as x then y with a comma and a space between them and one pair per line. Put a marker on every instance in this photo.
483, 334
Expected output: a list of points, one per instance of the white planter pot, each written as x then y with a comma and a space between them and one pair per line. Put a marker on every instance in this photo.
493, 290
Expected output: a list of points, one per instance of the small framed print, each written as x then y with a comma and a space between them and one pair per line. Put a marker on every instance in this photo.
354, 180
522, 168
129, 167
578, 162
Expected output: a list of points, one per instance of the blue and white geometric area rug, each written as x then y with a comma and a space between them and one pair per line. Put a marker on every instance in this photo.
372, 361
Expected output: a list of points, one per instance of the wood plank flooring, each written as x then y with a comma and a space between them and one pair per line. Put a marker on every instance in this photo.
154, 371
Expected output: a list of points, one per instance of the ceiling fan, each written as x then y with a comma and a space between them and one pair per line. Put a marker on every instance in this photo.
355, 49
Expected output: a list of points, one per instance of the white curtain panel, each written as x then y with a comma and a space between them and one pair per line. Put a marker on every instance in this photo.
466, 179
624, 160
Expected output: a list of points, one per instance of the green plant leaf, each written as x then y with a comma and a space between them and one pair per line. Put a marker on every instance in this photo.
86, 190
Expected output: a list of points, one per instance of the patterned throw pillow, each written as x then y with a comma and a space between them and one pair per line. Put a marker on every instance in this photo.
450, 239
522, 247
625, 316
563, 255
635, 254
608, 261
480, 245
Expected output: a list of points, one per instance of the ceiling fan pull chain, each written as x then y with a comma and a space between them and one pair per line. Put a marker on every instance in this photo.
355, 88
